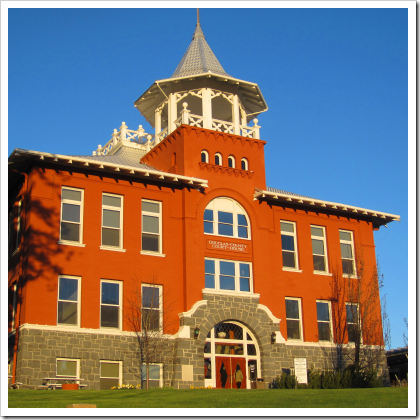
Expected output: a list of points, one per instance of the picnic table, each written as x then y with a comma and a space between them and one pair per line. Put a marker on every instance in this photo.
53, 382
15, 385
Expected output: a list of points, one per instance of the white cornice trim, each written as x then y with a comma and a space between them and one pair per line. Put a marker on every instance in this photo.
233, 294
193, 309
326, 204
269, 313
99, 164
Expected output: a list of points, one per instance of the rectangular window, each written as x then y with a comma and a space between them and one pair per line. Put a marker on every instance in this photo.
14, 227
319, 249
112, 220
293, 319
68, 300
151, 307
228, 275
323, 310
110, 374
68, 368
14, 304
71, 215
111, 304
288, 244
155, 376
151, 217
347, 252
352, 315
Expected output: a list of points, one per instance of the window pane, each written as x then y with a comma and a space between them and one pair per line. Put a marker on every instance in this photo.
244, 270
351, 311
209, 281
67, 368
217, 160
289, 259
345, 236
292, 309
316, 231
71, 213
227, 283
287, 227
322, 311
242, 232
67, 313
227, 268
150, 319
225, 217
110, 237
347, 267
317, 247
203, 157
208, 215
243, 165
226, 230
71, 195
111, 218
287, 243
109, 316
110, 370
207, 348
252, 351
346, 251
150, 242
106, 383
70, 231
324, 331
319, 263
150, 297
242, 220
150, 224
207, 367
293, 330
68, 289
110, 293
209, 266
351, 332
108, 200
152, 207
154, 372
208, 227
244, 284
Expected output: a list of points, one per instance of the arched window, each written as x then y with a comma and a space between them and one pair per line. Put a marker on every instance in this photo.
204, 156
231, 162
225, 217
218, 159
244, 164
174, 159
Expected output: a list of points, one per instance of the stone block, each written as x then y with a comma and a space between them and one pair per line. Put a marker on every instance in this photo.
26, 372
35, 364
35, 332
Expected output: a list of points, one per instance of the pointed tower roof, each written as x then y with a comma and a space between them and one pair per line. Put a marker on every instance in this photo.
199, 58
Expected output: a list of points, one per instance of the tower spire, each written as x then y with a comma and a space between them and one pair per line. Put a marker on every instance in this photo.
198, 16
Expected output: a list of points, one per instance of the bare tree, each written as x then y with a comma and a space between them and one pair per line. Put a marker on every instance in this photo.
149, 318
405, 334
360, 323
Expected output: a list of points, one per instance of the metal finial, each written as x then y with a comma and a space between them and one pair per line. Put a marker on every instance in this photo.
198, 16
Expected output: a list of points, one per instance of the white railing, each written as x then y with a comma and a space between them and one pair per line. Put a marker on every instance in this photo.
162, 134
223, 126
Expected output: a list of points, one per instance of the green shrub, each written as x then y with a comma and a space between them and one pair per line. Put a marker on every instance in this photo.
285, 381
314, 381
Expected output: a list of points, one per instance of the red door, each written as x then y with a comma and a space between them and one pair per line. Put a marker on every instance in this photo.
230, 372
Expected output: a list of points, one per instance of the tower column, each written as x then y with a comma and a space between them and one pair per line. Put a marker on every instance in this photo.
172, 112
207, 114
236, 119
158, 123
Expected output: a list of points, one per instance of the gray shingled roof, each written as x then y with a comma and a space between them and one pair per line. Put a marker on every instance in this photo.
124, 156
199, 58
275, 190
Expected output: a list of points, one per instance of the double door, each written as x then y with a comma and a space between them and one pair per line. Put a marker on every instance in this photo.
231, 372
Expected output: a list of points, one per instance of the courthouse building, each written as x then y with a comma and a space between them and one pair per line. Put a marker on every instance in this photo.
237, 274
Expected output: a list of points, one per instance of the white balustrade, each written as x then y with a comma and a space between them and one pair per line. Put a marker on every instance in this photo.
222, 126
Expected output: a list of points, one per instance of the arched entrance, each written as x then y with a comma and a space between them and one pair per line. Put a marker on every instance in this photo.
231, 356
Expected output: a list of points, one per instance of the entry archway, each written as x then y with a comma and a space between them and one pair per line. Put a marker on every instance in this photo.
231, 356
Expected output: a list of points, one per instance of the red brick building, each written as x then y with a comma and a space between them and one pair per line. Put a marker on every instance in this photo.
238, 275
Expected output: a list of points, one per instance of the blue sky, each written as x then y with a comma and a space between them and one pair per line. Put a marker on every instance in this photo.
335, 81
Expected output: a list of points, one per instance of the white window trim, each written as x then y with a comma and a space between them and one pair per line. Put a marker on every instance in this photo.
14, 305
237, 290
160, 373
220, 159
233, 161
347, 323
119, 362
79, 203
354, 275
207, 156
324, 240
149, 213
160, 287
235, 220
330, 321
79, 288
120, 290
68, 359
294, 234
246, 164
299, 300
121, 229
19, 208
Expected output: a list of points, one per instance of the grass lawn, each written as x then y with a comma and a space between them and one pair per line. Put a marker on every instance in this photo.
214, 398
